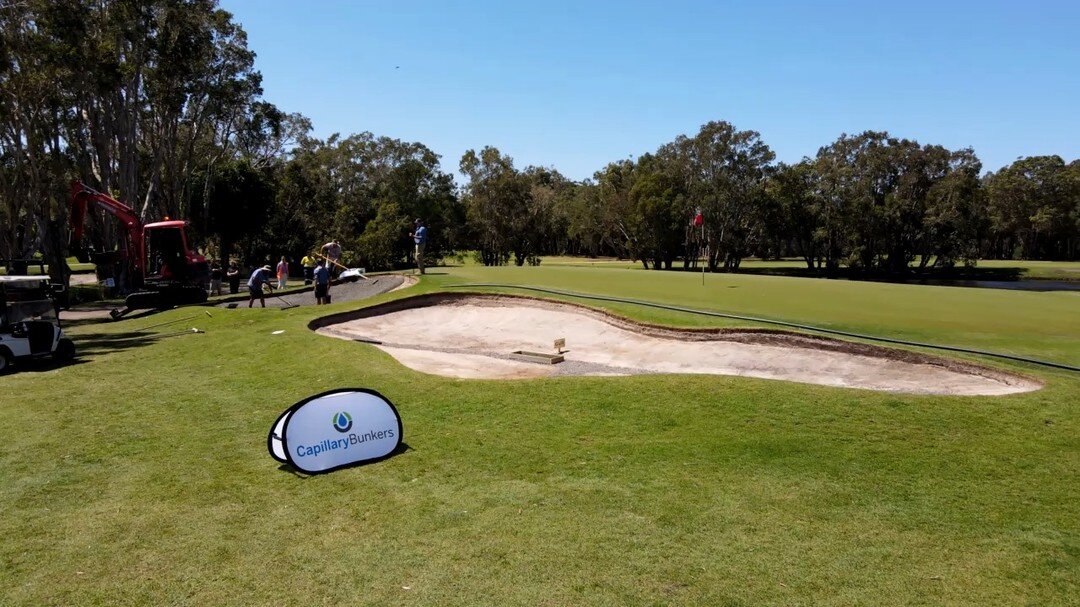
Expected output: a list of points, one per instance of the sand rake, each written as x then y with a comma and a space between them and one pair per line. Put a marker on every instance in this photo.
346, 273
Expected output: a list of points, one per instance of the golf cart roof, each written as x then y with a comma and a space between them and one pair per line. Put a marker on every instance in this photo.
23, 278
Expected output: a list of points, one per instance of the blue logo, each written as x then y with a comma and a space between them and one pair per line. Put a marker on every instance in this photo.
342, 422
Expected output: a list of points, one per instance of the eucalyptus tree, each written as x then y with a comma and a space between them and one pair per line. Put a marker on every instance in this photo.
1034, 208
131, 97
545, 225
34, 155
589, 222
793, 209
955, 214
614, 184
497, 198
658, 204
723, 172
884, 201
364, 190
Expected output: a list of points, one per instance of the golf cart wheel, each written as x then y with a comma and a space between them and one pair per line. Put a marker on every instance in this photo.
5, 360
65, 350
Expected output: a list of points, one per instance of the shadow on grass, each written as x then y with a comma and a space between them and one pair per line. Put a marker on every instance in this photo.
102, 343
402, 448
42, 365
68, 323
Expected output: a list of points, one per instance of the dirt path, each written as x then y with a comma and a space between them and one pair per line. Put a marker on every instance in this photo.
339, 293
349, 291
473, 336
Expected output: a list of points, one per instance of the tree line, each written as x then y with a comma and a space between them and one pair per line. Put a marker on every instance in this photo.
869, 202
158, 103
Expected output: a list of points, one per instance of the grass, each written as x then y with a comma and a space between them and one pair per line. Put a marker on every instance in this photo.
1037, 324
986, 269
1040, 270
76, 268
140, 476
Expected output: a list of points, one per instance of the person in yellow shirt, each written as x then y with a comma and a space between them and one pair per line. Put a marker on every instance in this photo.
309, 268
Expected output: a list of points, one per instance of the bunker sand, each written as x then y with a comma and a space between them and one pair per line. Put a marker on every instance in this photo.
472, 336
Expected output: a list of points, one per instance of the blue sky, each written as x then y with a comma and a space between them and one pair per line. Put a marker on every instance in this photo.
575, 85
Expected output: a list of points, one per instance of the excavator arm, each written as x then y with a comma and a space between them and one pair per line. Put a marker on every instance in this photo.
84, 197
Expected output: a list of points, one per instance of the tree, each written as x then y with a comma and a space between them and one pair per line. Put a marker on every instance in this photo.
882, 201
497, 199
793, 209
130, 97
614, 185
954, 218
1032, 206
346, 188
658, 205
723, 171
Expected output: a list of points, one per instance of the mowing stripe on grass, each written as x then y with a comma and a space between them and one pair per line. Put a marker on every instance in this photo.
782, 323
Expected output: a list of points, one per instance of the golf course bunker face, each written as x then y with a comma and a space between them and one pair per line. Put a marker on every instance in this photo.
473, 336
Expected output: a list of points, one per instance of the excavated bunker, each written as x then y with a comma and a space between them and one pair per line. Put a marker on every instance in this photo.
475, 336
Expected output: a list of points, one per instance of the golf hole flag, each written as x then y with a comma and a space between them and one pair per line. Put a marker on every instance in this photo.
335, 429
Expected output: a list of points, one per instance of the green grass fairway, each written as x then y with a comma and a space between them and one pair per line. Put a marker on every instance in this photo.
140, 475
1043, 325
1042, 270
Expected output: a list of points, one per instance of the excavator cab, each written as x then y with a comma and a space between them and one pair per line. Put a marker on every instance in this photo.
169, 257
166, 249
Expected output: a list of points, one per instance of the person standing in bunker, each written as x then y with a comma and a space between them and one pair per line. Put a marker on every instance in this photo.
419, 236
332, 252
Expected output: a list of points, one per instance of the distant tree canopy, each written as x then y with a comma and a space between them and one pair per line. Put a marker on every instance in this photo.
158, 103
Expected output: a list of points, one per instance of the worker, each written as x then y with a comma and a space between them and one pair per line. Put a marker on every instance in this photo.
216, 274
308, 262
419, 236
332, 252
322, 284
233, 275
259, 278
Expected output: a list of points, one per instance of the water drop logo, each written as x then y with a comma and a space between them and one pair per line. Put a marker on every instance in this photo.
342, 422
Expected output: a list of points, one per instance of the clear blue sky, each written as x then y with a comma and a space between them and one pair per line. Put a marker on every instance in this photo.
575, 85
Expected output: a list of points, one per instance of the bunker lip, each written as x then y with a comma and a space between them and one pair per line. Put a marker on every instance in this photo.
942, 375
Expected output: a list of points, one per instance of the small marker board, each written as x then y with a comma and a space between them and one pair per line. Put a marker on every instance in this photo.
334, 430
560, 344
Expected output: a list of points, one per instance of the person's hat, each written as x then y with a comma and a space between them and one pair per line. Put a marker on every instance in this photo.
418, 220
265, 267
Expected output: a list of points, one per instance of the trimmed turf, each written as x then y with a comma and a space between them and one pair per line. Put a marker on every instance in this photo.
140, 476
1042, 270
1042, 325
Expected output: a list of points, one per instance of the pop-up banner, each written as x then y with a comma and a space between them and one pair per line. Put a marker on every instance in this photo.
335, 429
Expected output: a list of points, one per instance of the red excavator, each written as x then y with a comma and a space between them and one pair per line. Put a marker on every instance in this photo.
155, 265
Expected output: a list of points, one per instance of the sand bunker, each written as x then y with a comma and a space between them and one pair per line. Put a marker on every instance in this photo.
472, 336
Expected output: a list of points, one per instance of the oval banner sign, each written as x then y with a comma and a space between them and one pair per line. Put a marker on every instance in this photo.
335, 429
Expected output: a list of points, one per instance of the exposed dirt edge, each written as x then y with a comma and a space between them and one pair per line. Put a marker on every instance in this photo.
775, 337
